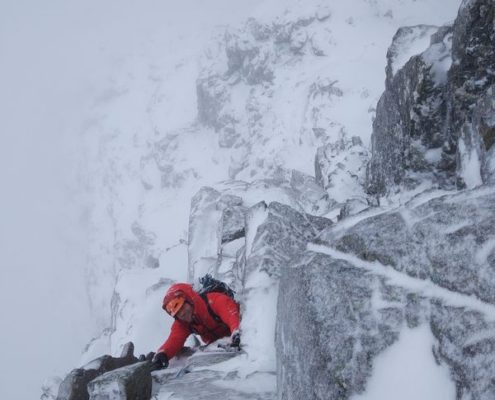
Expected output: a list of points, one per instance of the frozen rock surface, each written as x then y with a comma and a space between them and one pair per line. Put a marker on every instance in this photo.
203, 376
338, 309
127, 383
448, 240
75, 385
218, 217
424, 124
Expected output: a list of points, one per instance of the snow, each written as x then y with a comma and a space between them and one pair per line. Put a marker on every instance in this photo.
485, 250
413, 43
255, 219
433, 156
408, 371
470, 168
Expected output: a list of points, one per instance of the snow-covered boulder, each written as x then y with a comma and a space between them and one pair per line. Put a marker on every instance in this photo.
132, 382
75, 384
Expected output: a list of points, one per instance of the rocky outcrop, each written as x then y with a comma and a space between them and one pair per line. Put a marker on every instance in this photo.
473, 67
448, 240
340, 167
420, 128
339, 309
328, 330
217, 223
128, 383
336, 318
75, 384
408, 130
474, 163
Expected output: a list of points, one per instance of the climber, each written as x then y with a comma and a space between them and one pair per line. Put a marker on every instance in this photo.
212, 316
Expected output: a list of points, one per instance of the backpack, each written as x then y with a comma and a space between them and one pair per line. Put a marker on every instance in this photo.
212, 285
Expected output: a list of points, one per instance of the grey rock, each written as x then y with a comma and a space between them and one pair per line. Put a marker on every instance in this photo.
473, 66
283, 235
233, 218
327, 332
424, 123
341, 163
352, 207
409, 123
218, 218
75, 384
330, 329
198, 378
310, 194
474, 149
489, 167
127, 383
466, 343
440, 239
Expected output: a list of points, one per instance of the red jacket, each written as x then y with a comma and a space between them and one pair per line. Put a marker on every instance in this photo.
203, 323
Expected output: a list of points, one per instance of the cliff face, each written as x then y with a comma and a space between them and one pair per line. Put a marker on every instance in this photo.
433, 121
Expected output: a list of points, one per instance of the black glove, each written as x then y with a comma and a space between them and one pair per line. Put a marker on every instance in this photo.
236, 340
160, 360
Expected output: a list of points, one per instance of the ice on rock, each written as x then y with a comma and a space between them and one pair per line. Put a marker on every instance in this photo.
128, 383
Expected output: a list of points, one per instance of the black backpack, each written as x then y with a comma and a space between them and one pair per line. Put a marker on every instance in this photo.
212, 285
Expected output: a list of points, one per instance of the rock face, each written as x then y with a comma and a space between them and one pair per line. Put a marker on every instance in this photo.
336, 313
269, 234
331, 301
75, 385
420, 128
340, 167
448, 240
128, 383
217, 223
